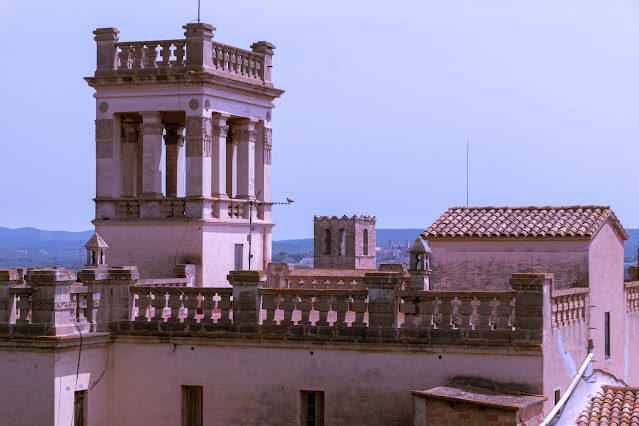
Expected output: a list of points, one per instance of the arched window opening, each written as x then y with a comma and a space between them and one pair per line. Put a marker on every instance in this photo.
342, 242
327, 242
365, 242
92, 257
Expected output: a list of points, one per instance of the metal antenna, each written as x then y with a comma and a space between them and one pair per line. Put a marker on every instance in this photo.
256, 202
466, 172
198, 21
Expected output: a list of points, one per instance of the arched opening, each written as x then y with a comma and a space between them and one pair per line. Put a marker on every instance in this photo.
365, 242
342, 242
92, 260
327, 242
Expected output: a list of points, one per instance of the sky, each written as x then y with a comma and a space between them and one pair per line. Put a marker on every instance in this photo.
381, 100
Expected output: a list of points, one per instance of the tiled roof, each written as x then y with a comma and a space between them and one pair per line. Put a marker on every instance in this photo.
572, 221
612, 405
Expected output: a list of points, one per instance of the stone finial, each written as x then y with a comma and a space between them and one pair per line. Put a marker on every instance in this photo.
263, 47
96, 252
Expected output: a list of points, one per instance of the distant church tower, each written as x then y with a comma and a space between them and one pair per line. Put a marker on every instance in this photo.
183, 153
344, 243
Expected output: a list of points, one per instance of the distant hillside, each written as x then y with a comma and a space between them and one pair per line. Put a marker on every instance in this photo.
383, 236
31, 247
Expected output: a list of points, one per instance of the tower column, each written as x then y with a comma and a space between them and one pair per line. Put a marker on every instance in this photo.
129, 163
151, 131
231, 165
198, 156
174, 160
218, 158
244, 132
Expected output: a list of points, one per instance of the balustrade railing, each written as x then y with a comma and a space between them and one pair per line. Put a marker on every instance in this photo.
140, 55
231, 61
338, 308
482, 310
568, 307
172, 208
632, 296
184, 305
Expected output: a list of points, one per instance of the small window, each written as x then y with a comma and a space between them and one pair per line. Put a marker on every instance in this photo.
607, 333
342, 243
312, 408
327, 242
80, 408
192, 406
239, 257
365, 238
557, 397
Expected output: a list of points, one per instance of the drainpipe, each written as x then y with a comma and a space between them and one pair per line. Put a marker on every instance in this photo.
573, 385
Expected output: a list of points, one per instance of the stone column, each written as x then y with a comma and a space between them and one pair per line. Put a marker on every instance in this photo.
231, 165
199, 48
244, 133
104, 167
265, 48
382, 303
151, 132
107, 51
129, 159
198, 164
245, 297
218, 158
174, 160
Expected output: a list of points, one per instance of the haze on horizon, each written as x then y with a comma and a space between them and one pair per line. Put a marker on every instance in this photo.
380, 101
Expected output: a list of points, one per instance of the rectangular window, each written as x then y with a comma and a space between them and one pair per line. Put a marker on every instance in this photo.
80, 408
239, 257
192, 407
607, 333
312, 408
557, 397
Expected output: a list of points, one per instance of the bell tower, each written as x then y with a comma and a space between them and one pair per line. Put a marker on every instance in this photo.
183, 153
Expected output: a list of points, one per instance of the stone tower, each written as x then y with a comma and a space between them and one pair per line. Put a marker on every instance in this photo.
183, 153
344, 243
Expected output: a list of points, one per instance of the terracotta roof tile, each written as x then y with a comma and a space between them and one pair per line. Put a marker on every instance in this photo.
571, 221
611, 405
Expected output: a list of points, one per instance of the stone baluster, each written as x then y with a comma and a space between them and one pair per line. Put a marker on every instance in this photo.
150, 55
358, 306
288, 306
305, 305
106, 39
340, 306
245, 297
322, 305
225, 306
165, 53
382, 302
174, 142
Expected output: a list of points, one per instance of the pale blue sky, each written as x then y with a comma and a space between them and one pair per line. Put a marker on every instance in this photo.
380, 99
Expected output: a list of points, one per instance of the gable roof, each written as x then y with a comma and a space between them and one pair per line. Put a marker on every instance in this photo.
96, 241
612, 405
565, 221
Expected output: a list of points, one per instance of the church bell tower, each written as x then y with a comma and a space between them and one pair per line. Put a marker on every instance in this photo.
183, 153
